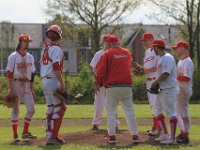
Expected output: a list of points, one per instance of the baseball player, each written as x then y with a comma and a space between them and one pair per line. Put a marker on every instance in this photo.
166, 98
100, 96
114, 73
20, 73
51, 70
150, 62
185, 69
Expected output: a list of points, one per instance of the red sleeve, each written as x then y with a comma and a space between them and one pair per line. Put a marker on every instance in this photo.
101, 69
56, 66
183, 78
10, 74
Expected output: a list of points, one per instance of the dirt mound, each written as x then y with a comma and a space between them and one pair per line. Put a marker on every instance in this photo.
95, 138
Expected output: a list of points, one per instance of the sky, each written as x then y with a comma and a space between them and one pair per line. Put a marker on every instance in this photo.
32, 11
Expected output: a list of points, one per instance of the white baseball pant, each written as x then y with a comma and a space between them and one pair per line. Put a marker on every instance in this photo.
124, 96
23, 91
182, 106
99, 104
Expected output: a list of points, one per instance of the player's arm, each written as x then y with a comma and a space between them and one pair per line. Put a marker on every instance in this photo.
57, 71
10, 72
10, 82
149, 70
101, 69
187, 73
162, 77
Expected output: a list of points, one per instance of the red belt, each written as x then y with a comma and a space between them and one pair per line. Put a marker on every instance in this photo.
150, 79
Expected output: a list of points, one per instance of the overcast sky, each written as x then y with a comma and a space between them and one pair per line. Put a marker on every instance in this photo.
32, 11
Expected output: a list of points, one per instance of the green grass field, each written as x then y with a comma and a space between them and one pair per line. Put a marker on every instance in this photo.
86, 111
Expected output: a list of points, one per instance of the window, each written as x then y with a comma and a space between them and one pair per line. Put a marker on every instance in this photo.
66, 56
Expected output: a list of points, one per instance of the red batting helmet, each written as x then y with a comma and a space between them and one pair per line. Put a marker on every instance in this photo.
54, 32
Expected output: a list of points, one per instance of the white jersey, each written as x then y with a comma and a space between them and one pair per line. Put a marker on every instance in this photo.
21, 66
96, 58
167, 64
55, 54
185, 68
150, 61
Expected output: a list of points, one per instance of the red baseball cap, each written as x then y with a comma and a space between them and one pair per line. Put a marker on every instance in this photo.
111, 38
159, 42
24, 37
146, 36
181, 44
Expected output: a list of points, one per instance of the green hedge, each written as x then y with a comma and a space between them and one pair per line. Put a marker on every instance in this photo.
83, 84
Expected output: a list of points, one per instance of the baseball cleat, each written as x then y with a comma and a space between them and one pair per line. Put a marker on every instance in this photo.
52, 141
162, 137
183, 140
135, 139
16, 139
110, 139
169, 141
28, 135
61, 140
95, 128
153, 132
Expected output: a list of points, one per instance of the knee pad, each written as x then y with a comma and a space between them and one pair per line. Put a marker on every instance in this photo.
59, 111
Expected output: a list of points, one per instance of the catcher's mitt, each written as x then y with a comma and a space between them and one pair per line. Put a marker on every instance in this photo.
154, 90
11, 101
137, 69
62, 95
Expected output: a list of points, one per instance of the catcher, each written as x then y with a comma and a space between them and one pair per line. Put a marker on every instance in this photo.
20, 73
53, 85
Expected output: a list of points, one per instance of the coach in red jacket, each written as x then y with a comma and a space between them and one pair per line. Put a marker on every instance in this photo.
114, 73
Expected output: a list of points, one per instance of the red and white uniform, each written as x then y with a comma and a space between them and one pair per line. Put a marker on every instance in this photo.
100, 97
150, 61
52, 60
114, 73
185, 69
20, 68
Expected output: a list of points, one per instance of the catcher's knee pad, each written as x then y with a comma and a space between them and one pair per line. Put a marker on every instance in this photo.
59, 111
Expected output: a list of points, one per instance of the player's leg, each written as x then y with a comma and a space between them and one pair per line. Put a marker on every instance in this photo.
158, 111
112, 102
98, 108
169, 106
184, 116
127, 105
30, 110
151, 99
15, 111
58, 112
49, 113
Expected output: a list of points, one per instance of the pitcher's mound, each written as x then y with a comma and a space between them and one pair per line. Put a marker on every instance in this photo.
95, 138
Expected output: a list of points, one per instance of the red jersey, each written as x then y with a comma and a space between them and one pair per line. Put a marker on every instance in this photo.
114, 67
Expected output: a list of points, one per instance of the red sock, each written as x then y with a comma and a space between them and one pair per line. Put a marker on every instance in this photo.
26, 125
186, 134
161, 123
173, 125
155, 123
14, 127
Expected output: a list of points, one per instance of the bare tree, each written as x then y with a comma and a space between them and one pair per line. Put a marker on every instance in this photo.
97, 14
186, 13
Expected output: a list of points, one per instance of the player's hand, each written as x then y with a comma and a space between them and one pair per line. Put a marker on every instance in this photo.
34, 96
96, 88
11, 91
135, 65
154, 85
62, 87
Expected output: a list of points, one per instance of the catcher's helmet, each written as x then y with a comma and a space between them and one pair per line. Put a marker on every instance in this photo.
54, 33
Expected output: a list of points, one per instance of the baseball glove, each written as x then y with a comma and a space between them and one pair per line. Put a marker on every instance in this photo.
62, 95
154, 90
137, 69
11, 101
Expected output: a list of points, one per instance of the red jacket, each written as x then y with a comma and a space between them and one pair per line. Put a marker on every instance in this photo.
114, 67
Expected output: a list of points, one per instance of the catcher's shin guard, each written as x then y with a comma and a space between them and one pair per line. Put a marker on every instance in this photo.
49, 121
57, 119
